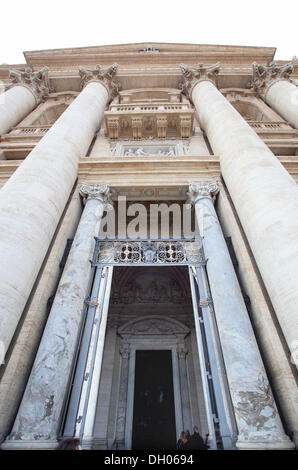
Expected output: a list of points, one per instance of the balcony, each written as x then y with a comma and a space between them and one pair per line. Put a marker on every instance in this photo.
149, 121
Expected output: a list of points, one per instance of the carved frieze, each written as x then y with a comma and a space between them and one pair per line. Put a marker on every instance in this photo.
104, 76
154, 325
37, 82
167, 291
194, 75
263, 77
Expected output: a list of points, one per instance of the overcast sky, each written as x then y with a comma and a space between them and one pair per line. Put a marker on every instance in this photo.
34, 25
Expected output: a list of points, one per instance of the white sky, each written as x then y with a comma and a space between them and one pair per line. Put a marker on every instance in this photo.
35, 24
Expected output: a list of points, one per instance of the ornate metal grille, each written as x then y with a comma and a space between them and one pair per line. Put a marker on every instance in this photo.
136, 252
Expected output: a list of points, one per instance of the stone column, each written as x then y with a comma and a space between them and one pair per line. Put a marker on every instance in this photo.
274, 86
258, 422
33, 199
122, 399
27, 92
38, 419
184, 388
265, 196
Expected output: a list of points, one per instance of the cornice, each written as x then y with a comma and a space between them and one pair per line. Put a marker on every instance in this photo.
149, 174
167, 53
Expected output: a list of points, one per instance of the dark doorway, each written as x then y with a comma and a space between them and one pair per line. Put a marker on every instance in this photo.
154, 424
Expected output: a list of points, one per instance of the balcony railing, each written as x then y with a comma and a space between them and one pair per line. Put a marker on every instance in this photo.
148, 252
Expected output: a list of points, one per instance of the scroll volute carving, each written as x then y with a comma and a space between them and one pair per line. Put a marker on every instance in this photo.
38, 82
105, 76
263, 77
194, 75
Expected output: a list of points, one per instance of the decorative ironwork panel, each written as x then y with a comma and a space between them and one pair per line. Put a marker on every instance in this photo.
135, 252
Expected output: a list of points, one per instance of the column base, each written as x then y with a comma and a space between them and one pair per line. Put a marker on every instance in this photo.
283, 444
11, 444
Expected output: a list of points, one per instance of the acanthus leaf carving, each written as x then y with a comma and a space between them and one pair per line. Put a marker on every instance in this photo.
104, 76
194, 75
263, 77
202, 189
37, 82
96, 191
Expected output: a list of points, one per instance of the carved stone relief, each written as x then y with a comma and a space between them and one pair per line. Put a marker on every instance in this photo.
160, 148
193, 75
263, 77
38, 82
105, 76
150, 290
154, 325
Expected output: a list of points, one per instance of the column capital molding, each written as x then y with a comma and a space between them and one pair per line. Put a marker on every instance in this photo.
101, 192
104, 76
182, 351
125, 350
263, 77
202, 189
37, 82
193, 75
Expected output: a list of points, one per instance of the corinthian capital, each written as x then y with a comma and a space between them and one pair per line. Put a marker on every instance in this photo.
101, 192
104, 76
202, 189
194, 75
263, 77
37, 82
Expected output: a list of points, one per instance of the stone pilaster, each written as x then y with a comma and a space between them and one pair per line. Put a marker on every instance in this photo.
184, 387
39, 416
122, 403
275, 87
258, 422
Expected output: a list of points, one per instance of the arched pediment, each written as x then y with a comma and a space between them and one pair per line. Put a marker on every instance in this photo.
153, 325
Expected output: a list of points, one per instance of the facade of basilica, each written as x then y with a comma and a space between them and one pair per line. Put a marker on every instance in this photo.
149, 247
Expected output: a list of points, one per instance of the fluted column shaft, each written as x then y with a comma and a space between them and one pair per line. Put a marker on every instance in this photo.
258, 423
33, 199
265, 197
39, 415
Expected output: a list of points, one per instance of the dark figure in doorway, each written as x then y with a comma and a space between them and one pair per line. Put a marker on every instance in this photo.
183, 443
71, 443
196, 441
